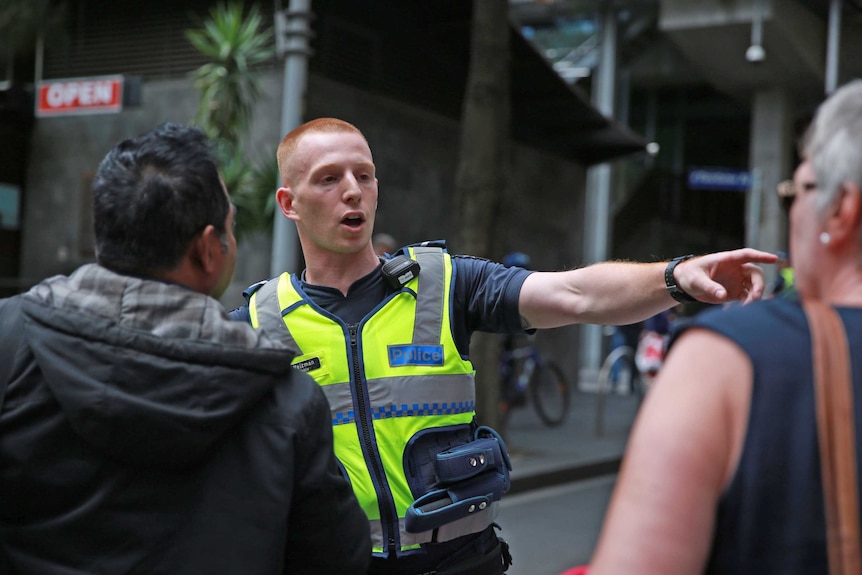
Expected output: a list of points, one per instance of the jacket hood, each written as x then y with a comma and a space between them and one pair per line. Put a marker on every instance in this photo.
153, 374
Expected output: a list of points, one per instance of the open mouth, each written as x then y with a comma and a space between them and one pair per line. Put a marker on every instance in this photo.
353, 221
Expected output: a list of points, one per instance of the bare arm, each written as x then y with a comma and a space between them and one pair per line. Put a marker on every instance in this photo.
618, 293
683, 452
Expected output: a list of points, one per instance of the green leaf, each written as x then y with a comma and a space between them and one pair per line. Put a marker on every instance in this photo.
235, 45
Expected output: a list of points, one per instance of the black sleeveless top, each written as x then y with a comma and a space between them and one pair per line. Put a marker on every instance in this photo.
771, 517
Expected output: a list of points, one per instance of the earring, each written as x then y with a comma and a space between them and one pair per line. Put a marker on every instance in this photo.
825, 239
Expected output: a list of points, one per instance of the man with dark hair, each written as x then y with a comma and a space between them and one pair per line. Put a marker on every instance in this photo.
157, 180
142, 431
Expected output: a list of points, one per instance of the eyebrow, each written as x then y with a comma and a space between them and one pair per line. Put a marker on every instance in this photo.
332, 165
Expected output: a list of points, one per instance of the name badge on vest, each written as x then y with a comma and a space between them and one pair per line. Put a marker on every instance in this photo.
401, 355
307, 365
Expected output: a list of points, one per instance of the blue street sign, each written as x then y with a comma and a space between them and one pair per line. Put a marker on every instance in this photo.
726, 179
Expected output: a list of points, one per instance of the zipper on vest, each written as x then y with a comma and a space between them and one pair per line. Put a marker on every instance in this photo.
388, 517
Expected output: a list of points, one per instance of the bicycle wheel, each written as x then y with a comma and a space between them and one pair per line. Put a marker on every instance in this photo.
549, 392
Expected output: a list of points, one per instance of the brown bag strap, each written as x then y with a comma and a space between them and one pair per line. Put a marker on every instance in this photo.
837, 437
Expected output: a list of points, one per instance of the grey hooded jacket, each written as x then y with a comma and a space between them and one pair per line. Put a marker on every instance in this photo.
142, 431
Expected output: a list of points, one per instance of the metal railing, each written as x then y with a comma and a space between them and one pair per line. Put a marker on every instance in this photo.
615, 355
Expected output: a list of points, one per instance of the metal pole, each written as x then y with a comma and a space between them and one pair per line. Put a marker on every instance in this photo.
597, 206
40, 57
757, 24
755, 202
650, 131
292, 34
833, 45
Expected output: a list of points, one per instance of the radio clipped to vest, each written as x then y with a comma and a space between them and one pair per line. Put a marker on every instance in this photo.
470, 477
400, 270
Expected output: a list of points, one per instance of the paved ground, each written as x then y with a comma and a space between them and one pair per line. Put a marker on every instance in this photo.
552, 529
587, 444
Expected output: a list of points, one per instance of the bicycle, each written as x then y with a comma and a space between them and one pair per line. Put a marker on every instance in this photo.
524, 372
639, 382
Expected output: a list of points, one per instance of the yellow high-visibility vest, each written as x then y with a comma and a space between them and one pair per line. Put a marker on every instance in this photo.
391, 379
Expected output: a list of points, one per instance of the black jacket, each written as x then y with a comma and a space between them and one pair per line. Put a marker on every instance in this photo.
142, 431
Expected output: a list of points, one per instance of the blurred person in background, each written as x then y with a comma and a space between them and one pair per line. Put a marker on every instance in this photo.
783, 283
625, 376
384, 244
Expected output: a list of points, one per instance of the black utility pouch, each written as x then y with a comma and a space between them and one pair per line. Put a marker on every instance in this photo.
420, 454
470, 477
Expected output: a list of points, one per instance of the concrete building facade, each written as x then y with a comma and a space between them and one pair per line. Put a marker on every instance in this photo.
397, 69
409, 115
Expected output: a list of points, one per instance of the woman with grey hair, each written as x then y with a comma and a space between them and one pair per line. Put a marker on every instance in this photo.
722, 472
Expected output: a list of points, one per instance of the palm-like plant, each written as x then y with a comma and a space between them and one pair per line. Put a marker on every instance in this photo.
251, 187
236, 45
228, 84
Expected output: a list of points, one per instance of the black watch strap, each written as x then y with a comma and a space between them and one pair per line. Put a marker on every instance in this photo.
670, 283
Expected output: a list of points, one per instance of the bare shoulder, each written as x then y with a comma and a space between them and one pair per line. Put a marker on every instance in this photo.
681, 453
704, 388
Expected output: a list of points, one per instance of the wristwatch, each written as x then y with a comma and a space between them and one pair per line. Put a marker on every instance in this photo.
674, 290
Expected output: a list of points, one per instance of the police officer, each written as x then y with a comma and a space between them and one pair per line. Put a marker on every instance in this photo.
388, 340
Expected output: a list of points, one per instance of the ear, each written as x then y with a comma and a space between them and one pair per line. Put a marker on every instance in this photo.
209, 252
284, 199
843, 224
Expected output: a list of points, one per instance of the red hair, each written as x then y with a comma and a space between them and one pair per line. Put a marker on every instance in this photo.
320, 125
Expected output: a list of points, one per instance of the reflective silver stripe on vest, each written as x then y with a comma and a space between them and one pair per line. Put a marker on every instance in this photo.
428, 324
471, 524
269, 315
405, 396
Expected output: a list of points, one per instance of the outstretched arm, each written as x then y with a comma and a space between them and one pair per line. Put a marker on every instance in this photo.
619, 293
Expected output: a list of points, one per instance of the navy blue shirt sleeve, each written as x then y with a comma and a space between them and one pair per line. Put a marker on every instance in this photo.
240, 314
485, 299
